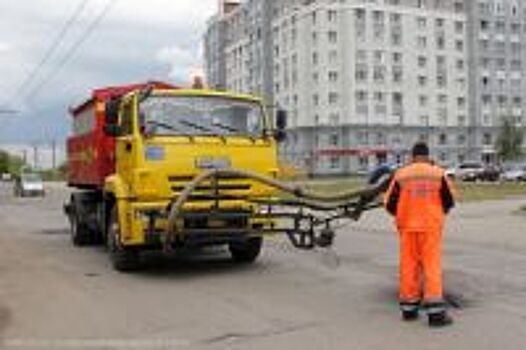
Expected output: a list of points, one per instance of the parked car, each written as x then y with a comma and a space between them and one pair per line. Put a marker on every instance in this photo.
28, 185
451, 172
514, 173
490, 172
469, 171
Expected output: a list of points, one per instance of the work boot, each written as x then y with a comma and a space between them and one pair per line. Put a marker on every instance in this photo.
440, 319
411, 315
409, 310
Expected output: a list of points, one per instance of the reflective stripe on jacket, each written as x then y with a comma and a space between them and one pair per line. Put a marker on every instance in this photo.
420, 195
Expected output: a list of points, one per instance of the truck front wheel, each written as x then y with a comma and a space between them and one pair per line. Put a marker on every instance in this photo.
123, 259
247, 251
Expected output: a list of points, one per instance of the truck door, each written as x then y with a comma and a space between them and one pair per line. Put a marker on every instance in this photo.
125, 145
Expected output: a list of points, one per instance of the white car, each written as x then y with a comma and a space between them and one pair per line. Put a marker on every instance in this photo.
28, 185
469, 171
514, 173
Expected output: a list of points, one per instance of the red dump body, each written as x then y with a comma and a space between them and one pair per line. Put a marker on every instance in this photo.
90, 152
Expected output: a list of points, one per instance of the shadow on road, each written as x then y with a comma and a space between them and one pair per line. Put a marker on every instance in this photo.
194, 263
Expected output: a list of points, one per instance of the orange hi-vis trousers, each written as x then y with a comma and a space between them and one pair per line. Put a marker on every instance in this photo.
421, 265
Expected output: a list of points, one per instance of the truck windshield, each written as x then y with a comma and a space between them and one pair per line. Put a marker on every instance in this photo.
200, 115
31, 178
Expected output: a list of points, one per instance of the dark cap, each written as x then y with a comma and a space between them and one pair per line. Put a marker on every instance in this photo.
420, 149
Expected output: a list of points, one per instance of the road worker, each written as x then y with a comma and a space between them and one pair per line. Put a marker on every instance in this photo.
419, 196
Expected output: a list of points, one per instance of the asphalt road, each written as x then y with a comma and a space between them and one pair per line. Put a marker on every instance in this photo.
55, 296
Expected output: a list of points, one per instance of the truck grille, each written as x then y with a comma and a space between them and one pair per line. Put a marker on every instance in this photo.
224, 188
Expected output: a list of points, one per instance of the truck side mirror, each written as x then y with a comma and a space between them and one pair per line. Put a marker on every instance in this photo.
281, 124
111, 122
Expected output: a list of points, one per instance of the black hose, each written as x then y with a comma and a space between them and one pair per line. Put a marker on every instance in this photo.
307, 198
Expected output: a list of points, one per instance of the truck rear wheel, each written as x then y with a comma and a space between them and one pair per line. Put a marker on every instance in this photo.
80, 234
122, 259
247, 251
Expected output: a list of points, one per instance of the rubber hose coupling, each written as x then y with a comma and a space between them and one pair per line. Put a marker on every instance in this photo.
325, 238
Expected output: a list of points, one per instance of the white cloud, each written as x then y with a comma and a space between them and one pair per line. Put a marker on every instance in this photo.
5, 47
138, 40
182, 62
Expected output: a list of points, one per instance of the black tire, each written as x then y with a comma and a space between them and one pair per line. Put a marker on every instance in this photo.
122, 259
246, 252
80, 234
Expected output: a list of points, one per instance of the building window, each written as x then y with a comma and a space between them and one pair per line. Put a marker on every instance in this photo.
315, 99
422, 80
461, 102
334, 139
441, 42
441, 80
333, 97
396, 39
314, 58
422, 61
397, 57
487, 139
459, 45
361, 73
422, 101
459, 27
421, 42
334, 163
379, 97
442, 139
378, 57
333, 76
332, 15
333, 36
379, 74
361, 96
397, 74
361, 56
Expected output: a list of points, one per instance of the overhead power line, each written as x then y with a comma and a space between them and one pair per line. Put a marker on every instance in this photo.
73, 49
52, 49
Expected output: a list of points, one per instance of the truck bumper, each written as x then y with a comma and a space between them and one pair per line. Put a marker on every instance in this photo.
147, 224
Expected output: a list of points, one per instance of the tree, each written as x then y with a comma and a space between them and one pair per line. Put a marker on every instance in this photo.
4, 162
509, 141
10, 163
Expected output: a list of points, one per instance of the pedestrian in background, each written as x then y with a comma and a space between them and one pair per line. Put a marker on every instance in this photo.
420, 196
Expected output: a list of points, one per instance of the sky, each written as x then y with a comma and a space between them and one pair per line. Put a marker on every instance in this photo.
136, 41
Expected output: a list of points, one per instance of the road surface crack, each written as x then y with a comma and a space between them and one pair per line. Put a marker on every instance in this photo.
235, 336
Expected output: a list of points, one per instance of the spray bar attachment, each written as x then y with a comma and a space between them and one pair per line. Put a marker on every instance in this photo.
314, 212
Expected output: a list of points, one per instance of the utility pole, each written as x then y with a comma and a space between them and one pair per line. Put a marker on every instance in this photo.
35, 156
53, 154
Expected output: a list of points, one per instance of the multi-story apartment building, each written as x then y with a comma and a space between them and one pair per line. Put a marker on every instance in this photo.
497, 47
364, 79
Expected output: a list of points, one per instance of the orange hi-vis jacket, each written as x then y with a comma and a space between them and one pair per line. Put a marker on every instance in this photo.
419, 195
